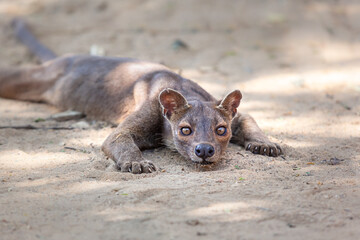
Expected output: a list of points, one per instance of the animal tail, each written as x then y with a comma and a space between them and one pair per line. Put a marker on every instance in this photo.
24, 35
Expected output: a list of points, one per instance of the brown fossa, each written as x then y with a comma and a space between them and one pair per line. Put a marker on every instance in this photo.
151, 105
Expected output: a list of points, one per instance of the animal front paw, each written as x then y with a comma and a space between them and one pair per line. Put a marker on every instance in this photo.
136, 167
264, 148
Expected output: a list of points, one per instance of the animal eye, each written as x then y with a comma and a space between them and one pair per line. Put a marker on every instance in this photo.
186, 131
221, 131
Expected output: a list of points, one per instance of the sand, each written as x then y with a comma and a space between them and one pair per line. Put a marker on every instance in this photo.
297, 65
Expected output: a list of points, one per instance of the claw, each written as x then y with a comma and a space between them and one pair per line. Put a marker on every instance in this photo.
248, 146
153, 168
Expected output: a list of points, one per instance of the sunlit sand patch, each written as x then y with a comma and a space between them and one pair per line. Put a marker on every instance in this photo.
87, 186
19, 7
18, 159
234, 211
125, 213
343, 77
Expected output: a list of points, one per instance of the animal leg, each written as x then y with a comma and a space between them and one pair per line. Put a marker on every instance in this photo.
247, 133
23, 84
140, 130
31, 83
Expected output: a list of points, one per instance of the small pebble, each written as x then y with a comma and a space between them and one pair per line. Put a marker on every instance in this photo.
81, 125
332, 161
96, 50
66, 116
193, 222
179, 45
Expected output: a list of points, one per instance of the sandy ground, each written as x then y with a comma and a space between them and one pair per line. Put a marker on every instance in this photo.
297, 65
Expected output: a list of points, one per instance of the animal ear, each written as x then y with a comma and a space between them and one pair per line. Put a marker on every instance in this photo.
231, 102
172, 102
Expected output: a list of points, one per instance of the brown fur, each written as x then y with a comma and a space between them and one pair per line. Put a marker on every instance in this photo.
149, 103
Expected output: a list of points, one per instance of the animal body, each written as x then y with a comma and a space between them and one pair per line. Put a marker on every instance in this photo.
151, 104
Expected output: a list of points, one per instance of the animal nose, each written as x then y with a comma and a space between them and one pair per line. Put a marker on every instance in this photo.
204, 150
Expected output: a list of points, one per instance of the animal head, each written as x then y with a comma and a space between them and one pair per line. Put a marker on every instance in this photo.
201, 130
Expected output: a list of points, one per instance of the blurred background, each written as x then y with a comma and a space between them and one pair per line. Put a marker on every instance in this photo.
218, 43
289, 58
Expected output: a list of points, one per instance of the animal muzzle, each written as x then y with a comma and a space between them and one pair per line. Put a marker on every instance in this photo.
204, 151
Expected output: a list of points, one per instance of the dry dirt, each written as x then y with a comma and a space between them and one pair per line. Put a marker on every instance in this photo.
297, 65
